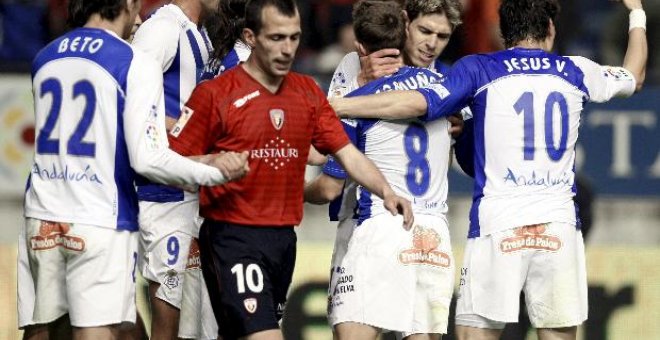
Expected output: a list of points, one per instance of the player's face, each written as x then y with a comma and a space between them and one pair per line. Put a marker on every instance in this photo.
428, 35
133, 10
275, 46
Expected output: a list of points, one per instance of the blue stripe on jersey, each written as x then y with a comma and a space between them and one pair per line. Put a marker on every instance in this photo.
153, 192
172, 86
364, 204
335, 207
124, 175
479, 166
229, 61
197, 54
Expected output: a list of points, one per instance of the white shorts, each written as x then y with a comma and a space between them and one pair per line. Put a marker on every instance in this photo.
86, 271
166, 230
197, 320
393, 279
546, 261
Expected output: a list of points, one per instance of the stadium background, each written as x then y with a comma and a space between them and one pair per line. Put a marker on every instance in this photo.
619, 157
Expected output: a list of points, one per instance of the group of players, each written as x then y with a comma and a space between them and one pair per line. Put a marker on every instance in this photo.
175, 109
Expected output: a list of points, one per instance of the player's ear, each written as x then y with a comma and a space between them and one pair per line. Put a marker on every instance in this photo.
362, 52
249, 37
550, 38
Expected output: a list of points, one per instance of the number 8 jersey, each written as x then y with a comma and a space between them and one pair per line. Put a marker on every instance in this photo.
411, 154
526, 105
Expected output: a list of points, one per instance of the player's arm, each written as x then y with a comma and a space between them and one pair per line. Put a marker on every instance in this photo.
323, 189
637, 51
433, 101
330, 183
146, 138
315, 157
385, 105
159, 38
365, 173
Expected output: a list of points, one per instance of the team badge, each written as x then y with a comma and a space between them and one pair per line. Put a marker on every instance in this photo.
250, 305
172, 279
277, 118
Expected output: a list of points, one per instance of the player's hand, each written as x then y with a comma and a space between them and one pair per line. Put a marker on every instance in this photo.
456, 124
232, 165
399, 205
378, 64
632, 4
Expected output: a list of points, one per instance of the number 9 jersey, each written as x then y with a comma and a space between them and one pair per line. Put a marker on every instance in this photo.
526, 105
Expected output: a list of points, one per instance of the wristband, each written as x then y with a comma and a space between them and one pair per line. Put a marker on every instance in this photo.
637, 19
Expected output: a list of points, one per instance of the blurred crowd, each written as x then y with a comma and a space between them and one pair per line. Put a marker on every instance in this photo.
590, 28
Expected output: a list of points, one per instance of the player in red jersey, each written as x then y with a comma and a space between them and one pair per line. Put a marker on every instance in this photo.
247, 242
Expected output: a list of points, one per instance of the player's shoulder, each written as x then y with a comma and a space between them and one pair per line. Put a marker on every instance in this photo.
301, 80
164, 21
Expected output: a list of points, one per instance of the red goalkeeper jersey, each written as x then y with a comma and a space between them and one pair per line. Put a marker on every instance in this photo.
234, 112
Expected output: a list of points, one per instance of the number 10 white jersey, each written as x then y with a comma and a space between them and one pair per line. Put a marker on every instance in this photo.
526, 105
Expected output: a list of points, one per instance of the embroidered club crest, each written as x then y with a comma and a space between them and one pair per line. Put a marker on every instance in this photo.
250, 305
277, 118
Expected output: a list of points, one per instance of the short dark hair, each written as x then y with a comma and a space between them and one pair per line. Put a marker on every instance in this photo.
81, 10
522, 19
450, 8
379, 24
253, 10
225, 26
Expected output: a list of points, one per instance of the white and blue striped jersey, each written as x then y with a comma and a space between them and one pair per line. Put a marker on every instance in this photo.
526, 105
239, 54
411, 154
99, 118
182, 50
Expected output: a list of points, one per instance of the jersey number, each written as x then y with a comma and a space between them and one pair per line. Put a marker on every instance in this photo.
75, 146
525, 105
251, 276
416, 144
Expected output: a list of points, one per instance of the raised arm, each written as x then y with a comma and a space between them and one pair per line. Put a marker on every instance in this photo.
387, 105
637, 51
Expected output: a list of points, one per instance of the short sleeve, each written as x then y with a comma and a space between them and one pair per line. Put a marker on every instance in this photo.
605, 82
452, 93
193, 133
329, 136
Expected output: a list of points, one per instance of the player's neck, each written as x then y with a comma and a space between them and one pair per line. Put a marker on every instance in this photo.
271, 83
191, 8
117, 26
534, 44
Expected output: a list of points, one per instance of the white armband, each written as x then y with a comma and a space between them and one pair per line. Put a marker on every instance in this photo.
637, 19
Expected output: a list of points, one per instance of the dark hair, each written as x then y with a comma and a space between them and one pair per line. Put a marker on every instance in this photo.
450, 8
379, 24
522, 19
254, 8
81, 10
225, 26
